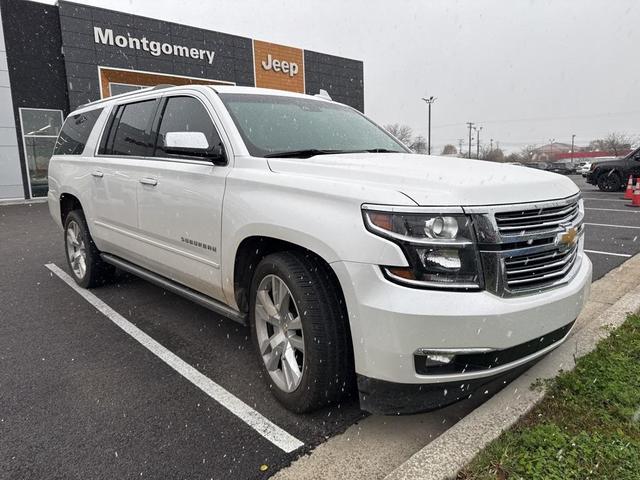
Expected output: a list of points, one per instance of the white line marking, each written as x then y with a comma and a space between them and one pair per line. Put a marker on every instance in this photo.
606, 225
612, 210
608, 199
608, 253
244, 412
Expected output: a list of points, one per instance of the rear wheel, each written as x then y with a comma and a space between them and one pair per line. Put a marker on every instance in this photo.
83, 257
299, 329
610, 182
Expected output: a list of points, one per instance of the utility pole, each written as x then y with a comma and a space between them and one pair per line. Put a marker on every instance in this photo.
470, 125
477, 129
460, 140
573, 142
429, 101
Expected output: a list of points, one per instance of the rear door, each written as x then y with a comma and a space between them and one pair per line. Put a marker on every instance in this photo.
180, 199
126, 142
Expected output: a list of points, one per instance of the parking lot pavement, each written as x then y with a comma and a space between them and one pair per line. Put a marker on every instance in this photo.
82, 398
612, 229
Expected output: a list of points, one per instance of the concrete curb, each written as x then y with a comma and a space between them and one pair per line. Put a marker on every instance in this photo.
446, 455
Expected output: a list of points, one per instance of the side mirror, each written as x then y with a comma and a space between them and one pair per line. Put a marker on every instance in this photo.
193, 144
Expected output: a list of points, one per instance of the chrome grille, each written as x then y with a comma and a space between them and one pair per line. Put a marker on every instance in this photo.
521, 245
522, 222
539, 269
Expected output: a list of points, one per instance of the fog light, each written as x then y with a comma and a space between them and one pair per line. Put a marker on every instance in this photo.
447, 259
435, 359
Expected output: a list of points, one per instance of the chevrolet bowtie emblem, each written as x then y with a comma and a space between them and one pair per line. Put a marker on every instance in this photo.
568, 238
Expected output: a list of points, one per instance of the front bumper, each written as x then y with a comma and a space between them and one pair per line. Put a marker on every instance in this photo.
389, 323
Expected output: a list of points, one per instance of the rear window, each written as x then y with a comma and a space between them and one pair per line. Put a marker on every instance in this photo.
75, 132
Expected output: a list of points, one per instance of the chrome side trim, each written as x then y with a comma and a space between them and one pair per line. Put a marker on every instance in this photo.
186, 292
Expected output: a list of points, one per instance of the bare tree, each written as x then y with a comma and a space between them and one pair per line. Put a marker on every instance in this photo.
404, 133
614, 142
418, 144
449, 149
493, 155
526, 153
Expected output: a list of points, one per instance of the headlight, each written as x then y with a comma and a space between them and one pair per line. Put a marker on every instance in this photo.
440, 248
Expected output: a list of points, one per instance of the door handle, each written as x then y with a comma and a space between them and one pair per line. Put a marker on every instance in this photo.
149, 181
97, 173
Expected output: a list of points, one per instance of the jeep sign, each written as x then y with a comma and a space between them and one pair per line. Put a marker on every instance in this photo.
283, 66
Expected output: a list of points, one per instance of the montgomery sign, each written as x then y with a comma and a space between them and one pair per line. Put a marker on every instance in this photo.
155, 48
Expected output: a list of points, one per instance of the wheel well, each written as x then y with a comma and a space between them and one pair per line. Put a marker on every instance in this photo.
249, 254
68, 203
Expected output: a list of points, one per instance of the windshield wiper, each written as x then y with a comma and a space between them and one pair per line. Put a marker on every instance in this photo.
381, 150
309, 152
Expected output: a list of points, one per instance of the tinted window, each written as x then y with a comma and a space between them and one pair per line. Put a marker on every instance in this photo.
185, 114
132, 135
75, 132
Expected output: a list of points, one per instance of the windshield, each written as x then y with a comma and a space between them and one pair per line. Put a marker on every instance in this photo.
271, 125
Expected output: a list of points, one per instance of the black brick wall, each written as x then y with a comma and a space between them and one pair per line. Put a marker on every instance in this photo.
36, 67
233, 61
342, 78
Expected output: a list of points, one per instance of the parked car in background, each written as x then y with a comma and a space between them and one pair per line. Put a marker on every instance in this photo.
612, 175
564, 168
584, 167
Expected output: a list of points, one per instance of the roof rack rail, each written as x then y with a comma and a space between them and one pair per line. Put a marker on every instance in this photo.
127, 94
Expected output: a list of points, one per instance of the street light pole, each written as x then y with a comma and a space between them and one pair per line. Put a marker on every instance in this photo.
573, 142
429, 101
470, 125
477, 129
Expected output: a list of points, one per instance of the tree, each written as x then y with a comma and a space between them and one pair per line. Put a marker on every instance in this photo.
494, 155
614, 142
418, 144
404, 133
449, 149
526, 154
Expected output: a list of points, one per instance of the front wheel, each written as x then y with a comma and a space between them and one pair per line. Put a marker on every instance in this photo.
83, 257
609, 182
298, 325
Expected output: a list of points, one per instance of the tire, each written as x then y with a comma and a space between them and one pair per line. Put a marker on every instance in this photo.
83, 257
326, 363
610, 182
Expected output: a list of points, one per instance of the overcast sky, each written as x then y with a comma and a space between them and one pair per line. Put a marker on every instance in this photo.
526, 70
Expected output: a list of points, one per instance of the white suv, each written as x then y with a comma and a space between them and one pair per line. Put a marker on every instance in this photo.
355, 263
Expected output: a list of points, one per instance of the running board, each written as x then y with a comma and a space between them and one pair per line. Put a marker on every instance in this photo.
174, 287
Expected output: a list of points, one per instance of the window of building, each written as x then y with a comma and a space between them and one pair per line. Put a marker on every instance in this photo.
185, 114
131, 131
120, 88
40, 128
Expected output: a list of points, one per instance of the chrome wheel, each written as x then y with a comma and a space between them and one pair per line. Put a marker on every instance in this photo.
76, 251
279, 333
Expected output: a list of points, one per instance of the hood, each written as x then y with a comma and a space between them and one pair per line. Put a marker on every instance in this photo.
432, 180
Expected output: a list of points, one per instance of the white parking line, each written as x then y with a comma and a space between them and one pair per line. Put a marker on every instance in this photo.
612, 210
244, 412
607, 225
608, 253
608, 199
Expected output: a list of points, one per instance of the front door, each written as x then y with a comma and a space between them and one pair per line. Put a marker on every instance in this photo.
180, 200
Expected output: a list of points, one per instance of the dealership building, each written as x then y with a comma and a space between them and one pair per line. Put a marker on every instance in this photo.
56, 58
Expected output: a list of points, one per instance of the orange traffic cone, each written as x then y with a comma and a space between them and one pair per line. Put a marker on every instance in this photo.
635, 200
628, 194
